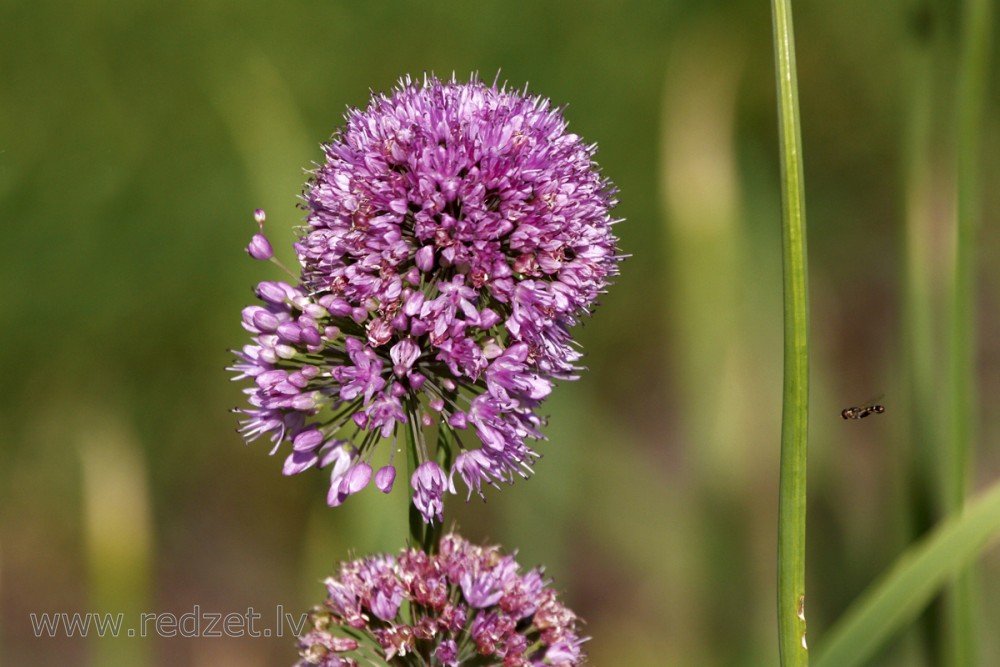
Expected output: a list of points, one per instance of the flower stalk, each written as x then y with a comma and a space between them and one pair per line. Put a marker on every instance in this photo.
795, 402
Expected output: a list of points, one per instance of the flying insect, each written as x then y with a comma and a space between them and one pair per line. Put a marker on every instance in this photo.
862, 411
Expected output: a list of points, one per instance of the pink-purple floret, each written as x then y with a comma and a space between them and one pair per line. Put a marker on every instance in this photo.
455, 234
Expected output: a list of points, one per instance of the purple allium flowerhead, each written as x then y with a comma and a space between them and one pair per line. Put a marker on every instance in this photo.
464, 605
455, 233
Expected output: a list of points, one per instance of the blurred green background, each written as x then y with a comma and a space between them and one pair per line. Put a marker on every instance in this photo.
136, 138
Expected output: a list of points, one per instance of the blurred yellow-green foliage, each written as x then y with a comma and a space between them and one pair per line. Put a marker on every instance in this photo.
136, 138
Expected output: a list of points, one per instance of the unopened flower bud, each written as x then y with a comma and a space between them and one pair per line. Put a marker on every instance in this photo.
384, 478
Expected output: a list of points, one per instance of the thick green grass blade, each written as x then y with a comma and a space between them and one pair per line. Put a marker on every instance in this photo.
918, 575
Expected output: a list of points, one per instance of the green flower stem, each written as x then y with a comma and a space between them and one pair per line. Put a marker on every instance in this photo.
972, 78
795, 418
425, 536
420, 532
897, 598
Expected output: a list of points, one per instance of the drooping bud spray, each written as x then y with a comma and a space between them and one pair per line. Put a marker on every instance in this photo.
260, 247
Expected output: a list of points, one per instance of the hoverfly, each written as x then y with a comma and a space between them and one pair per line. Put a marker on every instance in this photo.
862, 411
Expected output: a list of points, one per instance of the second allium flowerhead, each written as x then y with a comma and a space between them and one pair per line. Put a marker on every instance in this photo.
464, 605
455, 234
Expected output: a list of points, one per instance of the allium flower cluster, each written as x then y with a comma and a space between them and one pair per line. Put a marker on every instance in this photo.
464, 605
455, 234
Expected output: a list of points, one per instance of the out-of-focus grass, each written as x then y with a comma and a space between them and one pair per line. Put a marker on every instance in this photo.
973, 72
117, 529
135, 141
